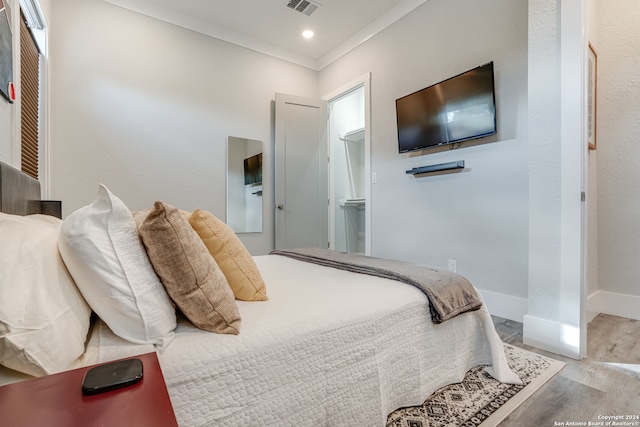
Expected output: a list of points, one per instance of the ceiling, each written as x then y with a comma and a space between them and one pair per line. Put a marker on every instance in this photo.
273, 28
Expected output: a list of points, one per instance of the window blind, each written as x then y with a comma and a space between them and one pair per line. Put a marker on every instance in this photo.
29, 97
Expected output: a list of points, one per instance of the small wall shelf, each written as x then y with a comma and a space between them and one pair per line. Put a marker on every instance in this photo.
352, 202
436, 168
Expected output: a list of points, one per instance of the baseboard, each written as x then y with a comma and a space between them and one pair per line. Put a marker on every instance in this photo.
515, 308
505, 306
612, 303
593, 306
551, 336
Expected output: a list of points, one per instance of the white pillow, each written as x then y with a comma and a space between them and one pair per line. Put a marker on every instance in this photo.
102, 250
43, 318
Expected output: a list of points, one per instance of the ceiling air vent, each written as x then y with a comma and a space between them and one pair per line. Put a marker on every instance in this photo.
305, 7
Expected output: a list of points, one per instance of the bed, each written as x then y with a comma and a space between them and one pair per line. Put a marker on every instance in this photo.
327, 347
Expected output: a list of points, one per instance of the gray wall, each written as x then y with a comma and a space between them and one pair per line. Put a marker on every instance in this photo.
145, 107
8, 112
6, 131
478, 217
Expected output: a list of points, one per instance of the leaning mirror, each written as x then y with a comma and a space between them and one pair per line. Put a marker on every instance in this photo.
244, 185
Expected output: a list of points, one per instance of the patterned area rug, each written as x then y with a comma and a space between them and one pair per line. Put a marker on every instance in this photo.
480, 399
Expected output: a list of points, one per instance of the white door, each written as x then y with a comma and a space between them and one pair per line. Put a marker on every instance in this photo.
301, 172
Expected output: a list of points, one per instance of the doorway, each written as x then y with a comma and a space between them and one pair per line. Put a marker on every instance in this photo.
349, 168
306, 208
347, 201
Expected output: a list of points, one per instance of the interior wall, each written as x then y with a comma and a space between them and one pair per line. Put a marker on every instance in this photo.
6, 131
478, 217
8, 111
557, 52
592, 189
145, 107
617, 42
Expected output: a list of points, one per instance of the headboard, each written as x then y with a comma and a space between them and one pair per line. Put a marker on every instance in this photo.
20, 194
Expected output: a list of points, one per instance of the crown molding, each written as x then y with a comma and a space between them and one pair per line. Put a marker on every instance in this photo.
393, 15
207, 28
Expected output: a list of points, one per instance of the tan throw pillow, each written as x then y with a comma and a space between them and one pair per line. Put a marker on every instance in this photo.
187, 270
231, 255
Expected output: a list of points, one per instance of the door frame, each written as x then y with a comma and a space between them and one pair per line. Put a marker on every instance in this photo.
365, 82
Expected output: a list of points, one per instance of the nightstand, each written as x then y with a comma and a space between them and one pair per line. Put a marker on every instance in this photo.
57, 400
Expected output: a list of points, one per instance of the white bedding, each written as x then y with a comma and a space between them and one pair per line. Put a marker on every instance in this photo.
329, 348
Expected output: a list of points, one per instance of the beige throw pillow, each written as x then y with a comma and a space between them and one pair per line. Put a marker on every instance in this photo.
231, 255
187, 270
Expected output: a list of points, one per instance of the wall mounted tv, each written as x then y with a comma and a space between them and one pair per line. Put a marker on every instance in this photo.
454, 110
253, 170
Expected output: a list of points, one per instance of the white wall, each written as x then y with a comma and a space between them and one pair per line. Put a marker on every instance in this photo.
617, 42
145, 107
478, 217
592, 190
556, 297
545, 149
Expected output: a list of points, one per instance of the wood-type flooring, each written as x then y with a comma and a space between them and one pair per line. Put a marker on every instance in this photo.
602, 389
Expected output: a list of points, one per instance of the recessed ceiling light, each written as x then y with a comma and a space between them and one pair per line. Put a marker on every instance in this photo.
307, 34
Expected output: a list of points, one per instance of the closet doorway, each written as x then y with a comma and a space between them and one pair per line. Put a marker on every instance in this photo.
350, 168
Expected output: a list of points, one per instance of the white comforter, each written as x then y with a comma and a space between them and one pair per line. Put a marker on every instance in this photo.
329, 348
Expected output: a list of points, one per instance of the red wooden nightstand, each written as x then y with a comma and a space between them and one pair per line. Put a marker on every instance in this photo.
57, 400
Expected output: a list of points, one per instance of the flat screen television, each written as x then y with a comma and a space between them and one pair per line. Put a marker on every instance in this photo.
454, 110
253, 170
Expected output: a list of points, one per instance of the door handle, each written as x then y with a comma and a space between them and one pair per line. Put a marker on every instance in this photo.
280, 206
